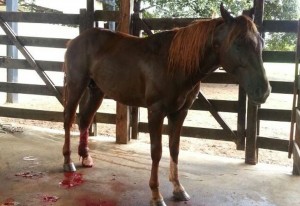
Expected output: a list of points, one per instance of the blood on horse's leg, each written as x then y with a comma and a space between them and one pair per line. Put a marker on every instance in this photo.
83, 149
95, 97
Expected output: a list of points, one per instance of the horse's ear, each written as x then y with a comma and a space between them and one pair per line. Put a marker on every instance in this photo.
225, 14
249, 13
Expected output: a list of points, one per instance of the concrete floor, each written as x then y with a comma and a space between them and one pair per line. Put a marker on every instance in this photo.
31, 170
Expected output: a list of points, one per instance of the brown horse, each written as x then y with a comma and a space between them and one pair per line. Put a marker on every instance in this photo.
162, 73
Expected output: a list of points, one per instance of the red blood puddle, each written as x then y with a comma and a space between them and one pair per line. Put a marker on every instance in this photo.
72, 179
30, 174
89, 202
49, 198
10, 202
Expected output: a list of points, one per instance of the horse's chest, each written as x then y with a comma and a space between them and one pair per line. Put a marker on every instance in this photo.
183, 100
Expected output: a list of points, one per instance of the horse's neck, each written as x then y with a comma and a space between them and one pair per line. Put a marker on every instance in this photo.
208, 65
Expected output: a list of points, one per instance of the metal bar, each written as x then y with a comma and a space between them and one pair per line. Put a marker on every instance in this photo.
12, 74
10, 33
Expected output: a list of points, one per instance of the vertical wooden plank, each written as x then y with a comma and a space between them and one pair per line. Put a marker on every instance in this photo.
296, 93
136, 29
90, 13
296, 143
90, 7
135, 110
86, 22
122, 117
251, 154
134, 122
241, 118
82, 20
296, 159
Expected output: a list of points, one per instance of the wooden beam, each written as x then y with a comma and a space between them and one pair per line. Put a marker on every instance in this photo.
37, 41
218, 118
122, 118
26, 88
279, 56
101, 15
32, 17
287, 26
53, 116
9, 63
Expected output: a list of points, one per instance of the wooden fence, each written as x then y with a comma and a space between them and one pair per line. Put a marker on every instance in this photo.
85, 20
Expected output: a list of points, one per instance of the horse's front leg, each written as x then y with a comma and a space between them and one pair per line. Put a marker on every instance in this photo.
175, 124
155, 121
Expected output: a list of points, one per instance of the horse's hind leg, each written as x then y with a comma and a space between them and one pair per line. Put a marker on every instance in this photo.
73, 93
95, 97
175, 124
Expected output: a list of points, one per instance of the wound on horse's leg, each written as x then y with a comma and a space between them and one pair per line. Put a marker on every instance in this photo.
83, 149
83, 143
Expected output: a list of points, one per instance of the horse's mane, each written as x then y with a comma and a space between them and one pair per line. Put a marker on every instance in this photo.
187, 47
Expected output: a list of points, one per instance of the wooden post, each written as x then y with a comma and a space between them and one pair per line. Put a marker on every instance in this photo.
294, 145
122, 117
87, 22
241, 123
251, 154
90, 13
135, 110
12, 74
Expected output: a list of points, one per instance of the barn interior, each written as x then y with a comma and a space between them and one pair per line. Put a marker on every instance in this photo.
31, 138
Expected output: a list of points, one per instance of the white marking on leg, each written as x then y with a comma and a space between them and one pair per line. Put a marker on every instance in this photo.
173, 177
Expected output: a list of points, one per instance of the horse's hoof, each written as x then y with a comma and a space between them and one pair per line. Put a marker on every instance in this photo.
181, 196
87, 161
157, 203
70, 167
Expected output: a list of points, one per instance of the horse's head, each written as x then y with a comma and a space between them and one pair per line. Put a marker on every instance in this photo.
239, 47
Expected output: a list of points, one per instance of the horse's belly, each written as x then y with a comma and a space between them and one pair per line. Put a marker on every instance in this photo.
123, 88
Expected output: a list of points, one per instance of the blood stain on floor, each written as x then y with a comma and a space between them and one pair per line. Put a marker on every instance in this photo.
71, 179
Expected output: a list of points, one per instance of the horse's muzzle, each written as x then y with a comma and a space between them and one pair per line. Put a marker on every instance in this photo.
260, 95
